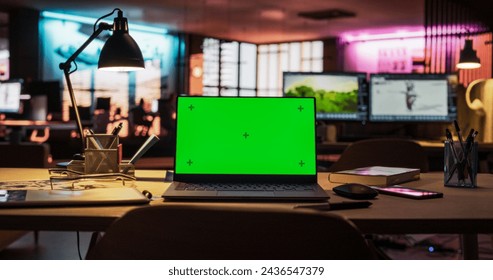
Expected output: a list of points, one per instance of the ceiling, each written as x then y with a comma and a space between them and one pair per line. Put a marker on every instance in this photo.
255, 21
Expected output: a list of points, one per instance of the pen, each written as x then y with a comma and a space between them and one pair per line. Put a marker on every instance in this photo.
469, 144
457, 164
469, 138
147, 144
94, 140
336, 205
459, 136
474, 135
116, 129
451, 141
461, 166
114, 132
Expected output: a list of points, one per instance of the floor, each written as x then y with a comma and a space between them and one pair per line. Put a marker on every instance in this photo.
431, 246
63, 246
51, 246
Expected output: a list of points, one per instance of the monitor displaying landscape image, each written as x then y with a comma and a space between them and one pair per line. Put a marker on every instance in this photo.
338, 95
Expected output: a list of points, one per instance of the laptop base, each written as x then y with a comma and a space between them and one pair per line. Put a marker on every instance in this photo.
179, 191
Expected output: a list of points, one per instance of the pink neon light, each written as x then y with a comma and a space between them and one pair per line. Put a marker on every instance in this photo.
384, 36
402, 33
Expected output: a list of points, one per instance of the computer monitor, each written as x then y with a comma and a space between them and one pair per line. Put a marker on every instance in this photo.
10, 96
412, 97
339, 96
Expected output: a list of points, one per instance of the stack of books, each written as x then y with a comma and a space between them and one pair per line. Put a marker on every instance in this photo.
375, 175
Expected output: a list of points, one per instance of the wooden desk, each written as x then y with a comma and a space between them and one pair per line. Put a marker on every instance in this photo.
461, 211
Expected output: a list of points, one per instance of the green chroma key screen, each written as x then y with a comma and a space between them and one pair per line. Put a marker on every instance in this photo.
241, 135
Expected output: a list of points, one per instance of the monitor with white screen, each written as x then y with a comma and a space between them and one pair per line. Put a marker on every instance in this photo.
412, 97
10, 96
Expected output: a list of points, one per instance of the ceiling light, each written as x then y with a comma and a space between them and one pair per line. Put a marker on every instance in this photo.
468, 57
273, 14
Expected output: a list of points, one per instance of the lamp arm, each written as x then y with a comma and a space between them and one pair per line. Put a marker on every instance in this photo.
65, 66
74, 106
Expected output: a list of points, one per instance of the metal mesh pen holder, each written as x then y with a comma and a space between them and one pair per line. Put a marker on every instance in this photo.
101, 163
460, 166
101, 154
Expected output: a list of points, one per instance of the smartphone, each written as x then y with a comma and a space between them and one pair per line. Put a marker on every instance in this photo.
408, 192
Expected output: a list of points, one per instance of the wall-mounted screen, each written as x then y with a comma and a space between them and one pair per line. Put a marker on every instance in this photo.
412, 97
339, 96
10, 96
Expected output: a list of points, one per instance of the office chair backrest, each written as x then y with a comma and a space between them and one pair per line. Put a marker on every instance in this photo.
382, 152
24, 154
187, 232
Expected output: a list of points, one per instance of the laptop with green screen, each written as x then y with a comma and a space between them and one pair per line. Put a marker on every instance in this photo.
245, 148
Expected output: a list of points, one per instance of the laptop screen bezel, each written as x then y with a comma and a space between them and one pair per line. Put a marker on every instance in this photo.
244, 178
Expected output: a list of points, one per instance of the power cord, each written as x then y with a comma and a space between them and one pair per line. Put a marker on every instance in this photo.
78, 245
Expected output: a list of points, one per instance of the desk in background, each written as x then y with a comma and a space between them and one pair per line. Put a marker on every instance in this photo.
461, 211
329, 152
29, 124
19, 127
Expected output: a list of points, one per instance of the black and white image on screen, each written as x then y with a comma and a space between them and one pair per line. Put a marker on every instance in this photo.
409, 98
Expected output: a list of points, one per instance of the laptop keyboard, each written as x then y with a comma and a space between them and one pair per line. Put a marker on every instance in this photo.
245, 187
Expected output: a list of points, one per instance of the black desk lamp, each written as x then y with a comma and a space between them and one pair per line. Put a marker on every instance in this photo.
119, 53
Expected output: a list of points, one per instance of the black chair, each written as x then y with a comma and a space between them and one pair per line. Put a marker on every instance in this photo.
382, 152
221, 233
392, 152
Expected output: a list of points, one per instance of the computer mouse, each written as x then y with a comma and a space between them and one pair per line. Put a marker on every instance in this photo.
355, 191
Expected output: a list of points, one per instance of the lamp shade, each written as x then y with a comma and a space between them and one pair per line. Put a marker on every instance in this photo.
120, 52
468, 57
